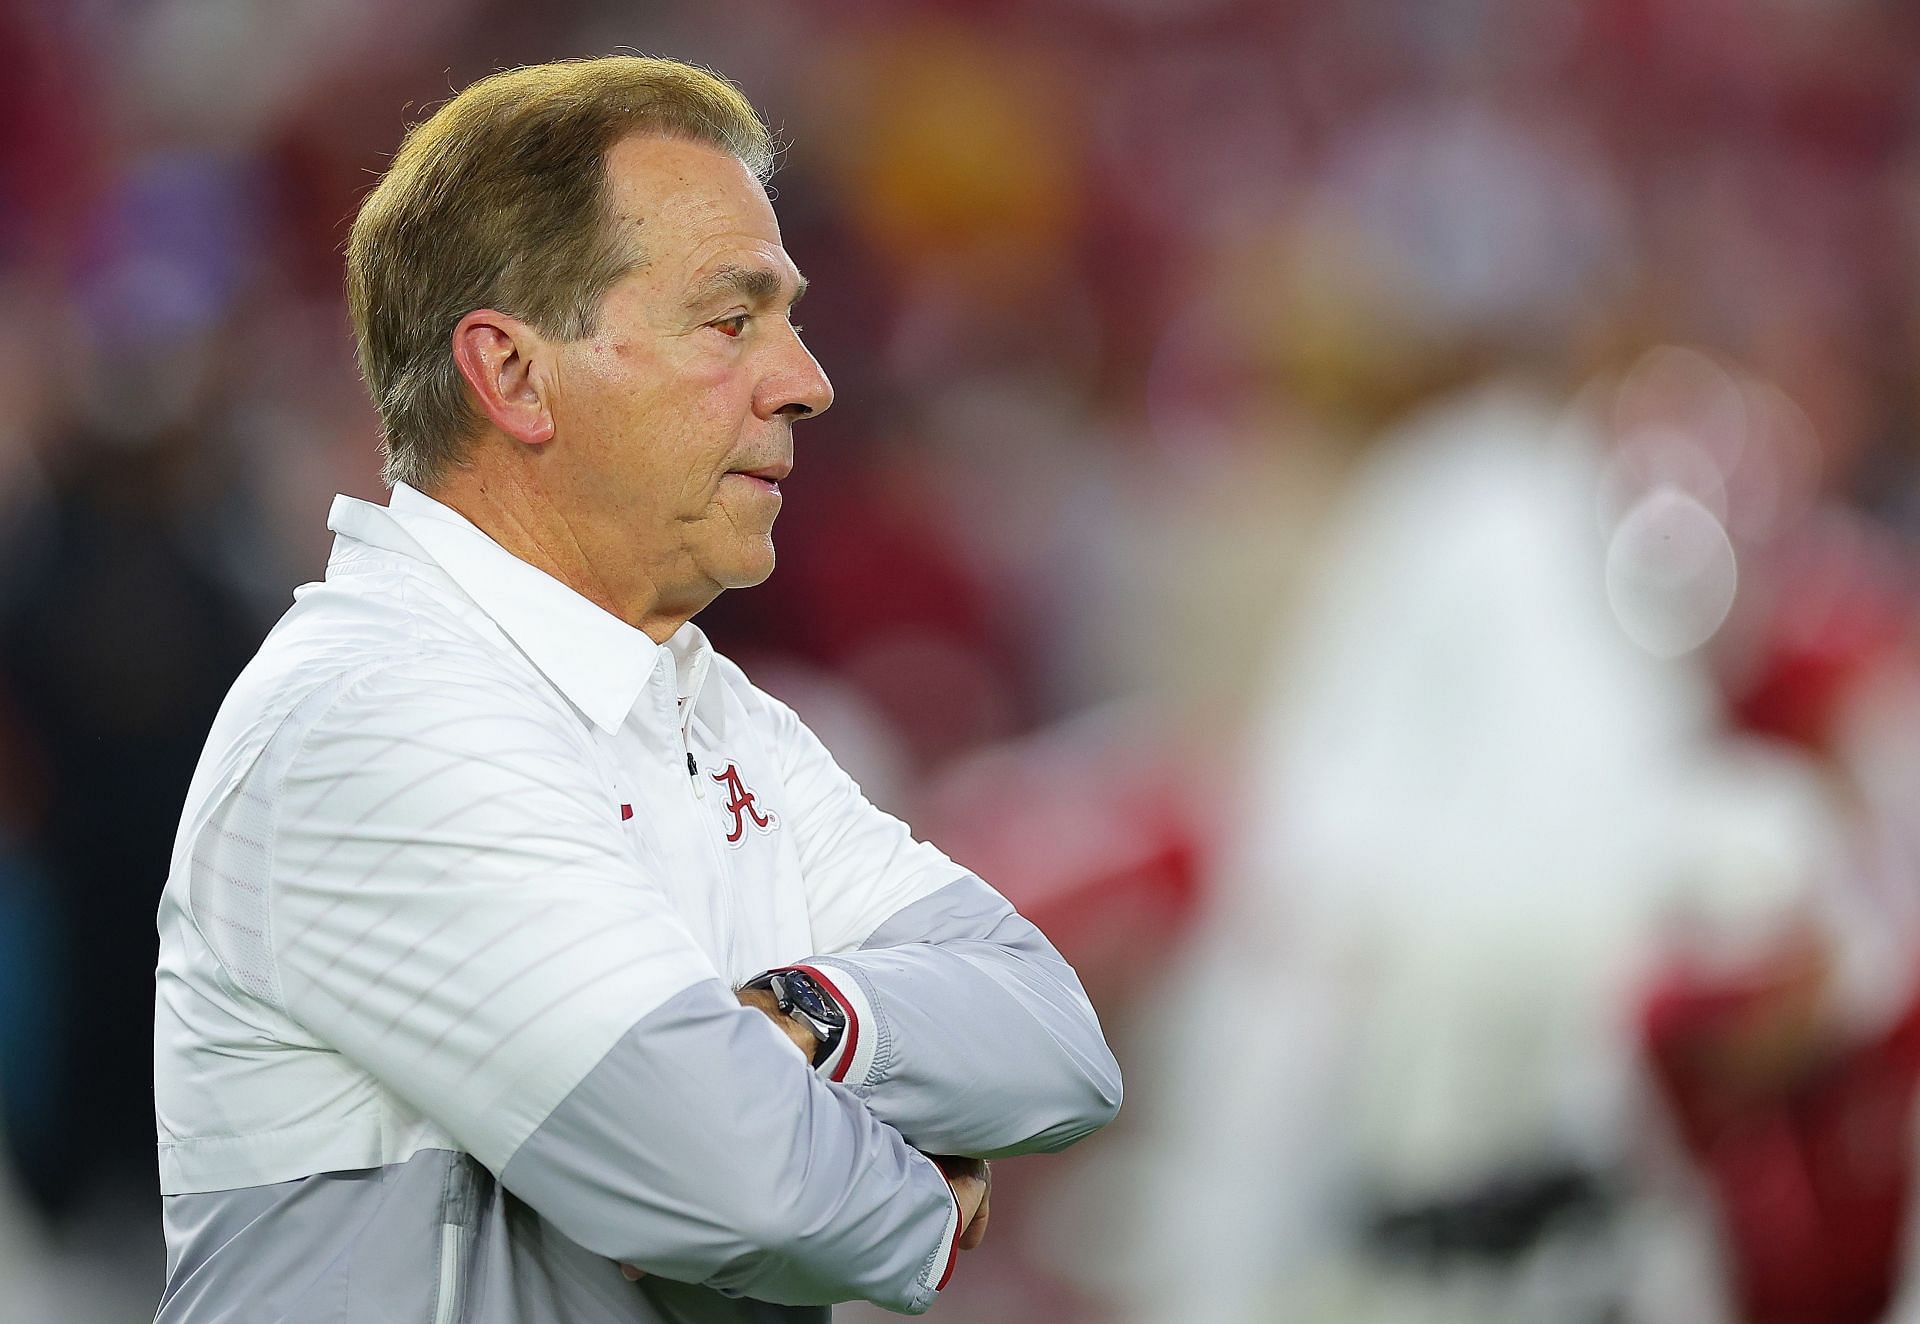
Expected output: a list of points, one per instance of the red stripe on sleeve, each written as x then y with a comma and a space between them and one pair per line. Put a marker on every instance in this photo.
851, 1039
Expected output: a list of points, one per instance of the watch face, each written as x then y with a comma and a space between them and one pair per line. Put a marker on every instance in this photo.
808, 997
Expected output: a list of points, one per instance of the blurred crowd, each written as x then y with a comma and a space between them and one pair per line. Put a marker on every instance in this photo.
1388, 526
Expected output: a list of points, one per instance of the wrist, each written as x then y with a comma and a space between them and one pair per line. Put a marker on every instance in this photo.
953, 1165
763, 1000
804, 1007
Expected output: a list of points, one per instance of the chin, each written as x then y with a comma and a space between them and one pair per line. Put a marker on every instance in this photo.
750, 569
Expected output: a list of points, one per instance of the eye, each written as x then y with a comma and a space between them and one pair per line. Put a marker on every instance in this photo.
732, 327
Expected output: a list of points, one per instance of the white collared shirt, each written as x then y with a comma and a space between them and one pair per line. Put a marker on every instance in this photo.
635, 817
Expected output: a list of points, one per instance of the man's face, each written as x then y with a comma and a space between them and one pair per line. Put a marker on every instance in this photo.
673, 422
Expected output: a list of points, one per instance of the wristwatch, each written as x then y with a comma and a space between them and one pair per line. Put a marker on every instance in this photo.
802, 999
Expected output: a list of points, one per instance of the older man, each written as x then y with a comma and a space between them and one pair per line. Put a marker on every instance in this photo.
501, 903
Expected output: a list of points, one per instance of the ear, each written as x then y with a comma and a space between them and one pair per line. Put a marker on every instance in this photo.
497, 355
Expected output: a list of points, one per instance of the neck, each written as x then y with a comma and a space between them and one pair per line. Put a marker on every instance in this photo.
521, 516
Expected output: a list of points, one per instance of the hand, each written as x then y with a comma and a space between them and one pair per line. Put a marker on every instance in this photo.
972, 1183
763, 999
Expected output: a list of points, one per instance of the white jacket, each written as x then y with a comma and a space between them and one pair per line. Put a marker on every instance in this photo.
464, 882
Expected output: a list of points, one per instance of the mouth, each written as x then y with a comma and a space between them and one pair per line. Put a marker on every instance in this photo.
768, 475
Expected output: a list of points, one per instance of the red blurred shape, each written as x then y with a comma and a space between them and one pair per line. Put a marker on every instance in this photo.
1805, 1143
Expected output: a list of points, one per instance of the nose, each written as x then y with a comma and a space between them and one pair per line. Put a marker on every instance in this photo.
797, 387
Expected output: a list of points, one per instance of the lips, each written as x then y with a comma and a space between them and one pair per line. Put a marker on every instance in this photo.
768, 474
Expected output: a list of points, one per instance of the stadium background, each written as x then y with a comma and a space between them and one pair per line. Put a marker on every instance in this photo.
1387, 525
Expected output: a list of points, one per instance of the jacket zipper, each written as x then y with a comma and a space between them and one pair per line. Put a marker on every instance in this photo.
452, 1257
460, 1202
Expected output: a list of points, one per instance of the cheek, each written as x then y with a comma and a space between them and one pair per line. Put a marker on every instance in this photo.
711, 409
607, 388
691, 382
660, 427
720, 392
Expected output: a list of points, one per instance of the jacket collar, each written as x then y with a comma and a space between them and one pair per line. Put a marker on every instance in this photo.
594, 658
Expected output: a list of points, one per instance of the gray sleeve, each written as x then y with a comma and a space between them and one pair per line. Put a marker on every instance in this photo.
968, 1033
702, 1149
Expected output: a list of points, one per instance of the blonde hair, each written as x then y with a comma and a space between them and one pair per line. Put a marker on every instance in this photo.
499, 200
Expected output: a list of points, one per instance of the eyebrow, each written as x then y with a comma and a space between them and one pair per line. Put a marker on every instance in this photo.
754, 284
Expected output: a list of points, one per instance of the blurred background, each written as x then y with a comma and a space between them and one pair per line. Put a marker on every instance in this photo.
1387, 526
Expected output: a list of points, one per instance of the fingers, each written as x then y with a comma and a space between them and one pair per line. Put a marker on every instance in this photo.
976, 1230
971, 1180
969, 1192
631, 1274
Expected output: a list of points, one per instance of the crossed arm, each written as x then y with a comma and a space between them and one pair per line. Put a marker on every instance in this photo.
967, 1033
508, 976
1015, 1064
970, 1180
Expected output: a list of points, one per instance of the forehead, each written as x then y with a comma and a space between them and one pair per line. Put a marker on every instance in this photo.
690, 206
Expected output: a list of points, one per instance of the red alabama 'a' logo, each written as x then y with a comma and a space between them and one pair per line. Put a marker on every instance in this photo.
740, 804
